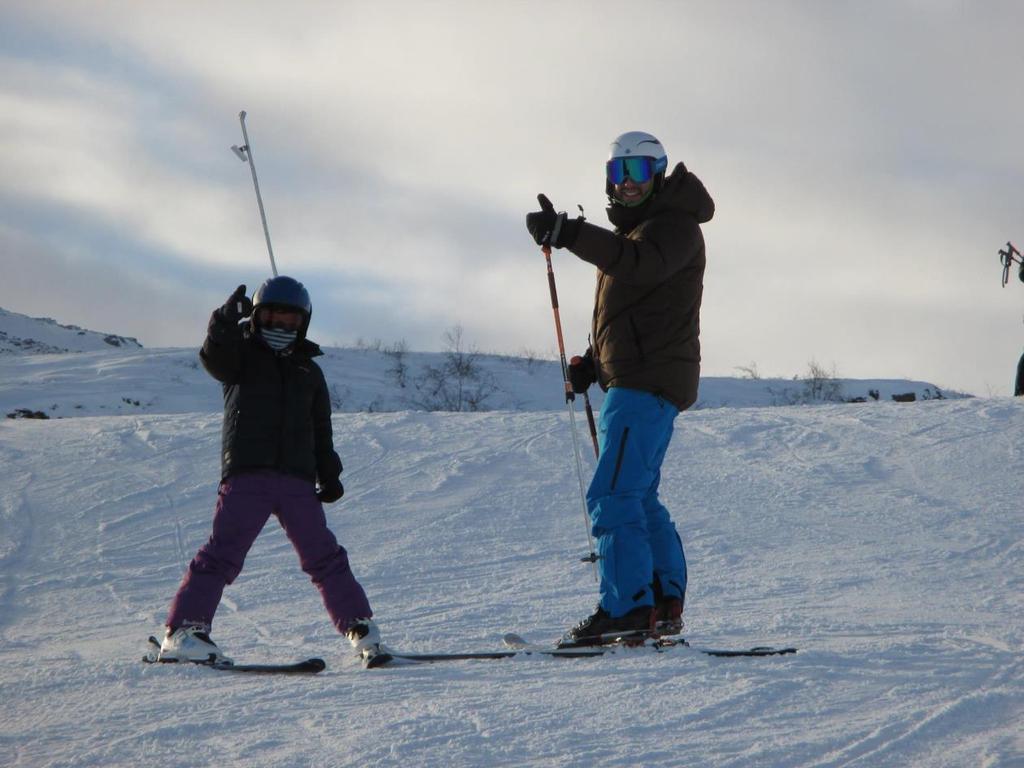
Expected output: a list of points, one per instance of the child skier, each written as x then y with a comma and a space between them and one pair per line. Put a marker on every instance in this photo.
276, 447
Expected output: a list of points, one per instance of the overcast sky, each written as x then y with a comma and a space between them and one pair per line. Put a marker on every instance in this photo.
866, 160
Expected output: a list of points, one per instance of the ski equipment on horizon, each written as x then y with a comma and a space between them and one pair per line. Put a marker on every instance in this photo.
1007, 258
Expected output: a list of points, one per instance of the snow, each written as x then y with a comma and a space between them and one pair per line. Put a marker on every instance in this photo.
882, 539
70, 373
43, 335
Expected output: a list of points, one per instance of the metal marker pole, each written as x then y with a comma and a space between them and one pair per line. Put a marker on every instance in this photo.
244, 153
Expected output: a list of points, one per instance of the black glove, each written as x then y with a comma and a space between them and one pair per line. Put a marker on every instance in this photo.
582, 372
330, 491
550, 228
235, 308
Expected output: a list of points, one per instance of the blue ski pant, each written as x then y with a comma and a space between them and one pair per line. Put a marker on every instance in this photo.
637, 542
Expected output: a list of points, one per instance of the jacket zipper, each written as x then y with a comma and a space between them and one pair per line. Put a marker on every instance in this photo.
284, 405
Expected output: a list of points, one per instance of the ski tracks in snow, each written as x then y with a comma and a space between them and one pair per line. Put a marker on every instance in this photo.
17, 532
991, 702
882, 540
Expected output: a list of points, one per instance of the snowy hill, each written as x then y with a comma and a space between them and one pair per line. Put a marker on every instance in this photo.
103, 378
883, 540
21, 334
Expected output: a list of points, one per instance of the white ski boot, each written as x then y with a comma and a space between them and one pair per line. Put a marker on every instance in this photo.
365, 639
190, 643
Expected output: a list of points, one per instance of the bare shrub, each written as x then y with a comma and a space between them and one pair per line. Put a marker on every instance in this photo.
749, 372
821, 385
338, 396
399, 368
818, 385
459, 383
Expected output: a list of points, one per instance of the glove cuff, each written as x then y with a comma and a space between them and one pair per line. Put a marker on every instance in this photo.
566, 231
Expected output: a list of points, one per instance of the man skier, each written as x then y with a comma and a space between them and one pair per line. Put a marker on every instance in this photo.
645, 353
277, 446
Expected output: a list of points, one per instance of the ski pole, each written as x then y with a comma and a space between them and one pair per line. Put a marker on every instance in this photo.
244, 154
570, 396
590, 414
591, 424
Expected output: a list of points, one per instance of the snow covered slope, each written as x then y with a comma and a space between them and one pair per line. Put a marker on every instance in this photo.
173, 381
41, 335
64, 371
884, 540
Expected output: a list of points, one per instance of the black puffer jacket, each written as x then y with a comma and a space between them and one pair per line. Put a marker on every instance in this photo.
277, 412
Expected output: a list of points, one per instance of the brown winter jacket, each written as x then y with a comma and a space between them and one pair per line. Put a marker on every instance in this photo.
649, 286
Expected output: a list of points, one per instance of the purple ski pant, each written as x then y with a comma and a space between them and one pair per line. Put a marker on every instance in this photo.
244, 503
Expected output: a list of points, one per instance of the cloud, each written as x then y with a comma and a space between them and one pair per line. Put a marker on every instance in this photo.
864, 158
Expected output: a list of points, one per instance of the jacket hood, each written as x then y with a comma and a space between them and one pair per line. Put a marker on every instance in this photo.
308, 348
682, 192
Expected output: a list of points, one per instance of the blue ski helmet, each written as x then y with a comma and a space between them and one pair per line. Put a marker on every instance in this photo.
283, 291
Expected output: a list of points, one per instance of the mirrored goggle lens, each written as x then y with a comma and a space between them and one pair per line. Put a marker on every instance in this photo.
639, 169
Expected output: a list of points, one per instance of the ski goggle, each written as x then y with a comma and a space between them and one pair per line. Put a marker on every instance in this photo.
274, 316
638, 168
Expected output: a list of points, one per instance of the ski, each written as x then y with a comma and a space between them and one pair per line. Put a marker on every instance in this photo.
518, 647
304, 667
389, 657
628, 641
399, 657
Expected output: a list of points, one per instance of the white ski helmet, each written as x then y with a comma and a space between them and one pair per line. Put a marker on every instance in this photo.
635, 144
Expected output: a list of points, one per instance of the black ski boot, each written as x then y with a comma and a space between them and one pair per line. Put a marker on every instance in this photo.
600, 628
668, 616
